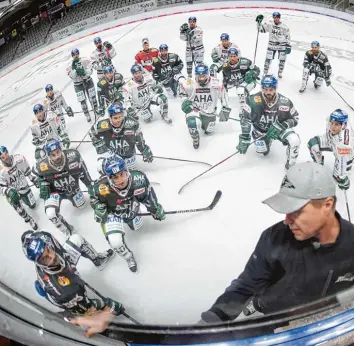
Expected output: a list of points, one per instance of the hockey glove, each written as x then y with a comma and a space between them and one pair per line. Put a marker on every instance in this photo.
184, 28
224, 113
116, 308
12, 196
100, 212
34, 180
328, 82
40, 290
343, 184
244, 142
158, 89
69, 112
131, 213
288, 50
159, 213
214, 69
259, 19
66, 143
80, 71
252, 307
275, 130
250, 77
44, 190
118, 96
188, 107
147, 154
107, 45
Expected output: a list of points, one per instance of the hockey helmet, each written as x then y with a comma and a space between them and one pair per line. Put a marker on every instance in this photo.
233, 51
192, 19
3, 150
339, 116
163, 47
315, 44
48, 87
114, 167
115, 109
74, 52
269, 82
38, 108
33, 248
108, 69
136, 68
97, 40
276, 15
225, 36
201, 69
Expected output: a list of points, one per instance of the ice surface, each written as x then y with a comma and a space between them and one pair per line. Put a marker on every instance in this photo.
186, 261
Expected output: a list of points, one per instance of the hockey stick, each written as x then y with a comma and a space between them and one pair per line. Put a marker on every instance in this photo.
103, 298
217, 164
342, 97
256, 45
210, 207
347, 205
190, 181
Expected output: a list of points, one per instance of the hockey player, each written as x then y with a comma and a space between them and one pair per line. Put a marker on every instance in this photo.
193, 36
200, 97
14, 172
167, 69
59, 179
145, 57
240, 73
270, 116
102, 56
315, 61
109, 89
140, 92
80, 71
339, 139
120, 135
47, 125
220, 54
55, 102
58, 279
115, 199
279, 41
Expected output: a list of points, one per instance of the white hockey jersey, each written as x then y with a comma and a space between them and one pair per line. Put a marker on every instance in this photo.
56, 105
99, 58
139, 95
279, 35
204, 97
50, 128
86, 64
220, 53
194, 39
16, 175
342, 146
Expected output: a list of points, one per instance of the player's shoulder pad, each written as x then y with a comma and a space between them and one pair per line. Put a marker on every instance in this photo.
34, 121
130, 123
256, 98
71, 154
154, 50
155, 60
225, 65
309, 52
102, 187
18, 158
130, 83
138, 178
102, 82
283, 99
103, 125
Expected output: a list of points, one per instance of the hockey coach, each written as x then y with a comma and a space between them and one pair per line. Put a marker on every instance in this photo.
307, 256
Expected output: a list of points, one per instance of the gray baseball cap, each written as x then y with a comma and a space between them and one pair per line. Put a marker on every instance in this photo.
302, 183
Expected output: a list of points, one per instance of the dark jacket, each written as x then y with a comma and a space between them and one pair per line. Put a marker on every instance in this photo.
283, 272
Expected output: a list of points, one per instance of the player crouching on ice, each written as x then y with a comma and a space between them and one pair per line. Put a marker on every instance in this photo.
315, 61
59, 175
119, 135
141, 92
240, 73
58, 279
14, 171
167, 70
339, 139
200, 97
270, 116
116, 198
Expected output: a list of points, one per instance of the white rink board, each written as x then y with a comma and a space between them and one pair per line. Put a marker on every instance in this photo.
186, 261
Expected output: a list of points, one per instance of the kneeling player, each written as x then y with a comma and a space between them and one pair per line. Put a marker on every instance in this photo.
315, 61
240, 73
167, 70
55, 102
220, 54
116, 198
339, 139
200, 97
120, 135
58, 280
14, 172
109, 89
141, 92
270, 116
59, 179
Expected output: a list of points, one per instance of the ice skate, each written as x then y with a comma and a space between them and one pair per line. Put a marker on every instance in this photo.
103, 258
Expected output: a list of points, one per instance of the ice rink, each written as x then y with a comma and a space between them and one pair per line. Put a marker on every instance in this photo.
186, 261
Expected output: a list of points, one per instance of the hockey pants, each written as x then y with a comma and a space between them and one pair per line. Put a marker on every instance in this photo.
85, 90
193, 56
270, 55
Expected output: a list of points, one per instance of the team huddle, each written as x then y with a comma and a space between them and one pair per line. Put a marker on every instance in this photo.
119, 105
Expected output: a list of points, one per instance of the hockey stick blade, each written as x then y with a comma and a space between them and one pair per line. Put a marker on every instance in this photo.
185, 211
